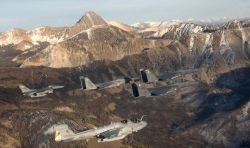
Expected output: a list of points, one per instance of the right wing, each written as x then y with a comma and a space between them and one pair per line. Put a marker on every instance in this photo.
164, 90
110, 135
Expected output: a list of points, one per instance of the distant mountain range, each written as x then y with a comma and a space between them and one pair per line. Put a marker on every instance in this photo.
93, 39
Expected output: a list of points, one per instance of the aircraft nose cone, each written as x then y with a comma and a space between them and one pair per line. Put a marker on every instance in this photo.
144, 124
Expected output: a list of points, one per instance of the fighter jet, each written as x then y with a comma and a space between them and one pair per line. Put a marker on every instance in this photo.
38, 92
87, 84
139, 90
111, 132
148, 77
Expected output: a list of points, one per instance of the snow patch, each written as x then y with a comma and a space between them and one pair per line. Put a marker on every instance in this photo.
244, 39
208, 41
175, 28
10, 38
224, 45
191, 44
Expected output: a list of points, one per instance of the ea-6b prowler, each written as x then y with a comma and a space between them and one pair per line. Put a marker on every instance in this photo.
38, 92
112, 132
87, 84
148, 77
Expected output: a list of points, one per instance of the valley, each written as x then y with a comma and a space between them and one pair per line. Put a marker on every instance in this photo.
213, 113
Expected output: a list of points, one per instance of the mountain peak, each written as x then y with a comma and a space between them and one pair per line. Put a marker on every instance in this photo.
90, 18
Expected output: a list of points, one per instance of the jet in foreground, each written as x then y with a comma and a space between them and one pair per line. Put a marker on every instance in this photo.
139, 90
111, 132
148, 77
87, 84
38, 92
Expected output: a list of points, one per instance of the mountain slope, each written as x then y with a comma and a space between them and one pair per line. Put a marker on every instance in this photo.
97, 43
122, 26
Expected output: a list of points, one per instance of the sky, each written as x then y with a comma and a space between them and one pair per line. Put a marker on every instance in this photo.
29, 14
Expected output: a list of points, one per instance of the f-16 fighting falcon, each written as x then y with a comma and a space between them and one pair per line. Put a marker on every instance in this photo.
148, 77
139, 90
111, 132
87, 84
38, 92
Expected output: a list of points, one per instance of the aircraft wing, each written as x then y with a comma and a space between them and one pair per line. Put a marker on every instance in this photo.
111, 84
177, 74
184, 84
169, 76
187, 71
162, 90
55, 86
110, 133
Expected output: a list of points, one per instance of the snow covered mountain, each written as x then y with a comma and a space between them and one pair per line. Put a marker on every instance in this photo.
43, 34
48, 34
92, 39
97, 43
169, 29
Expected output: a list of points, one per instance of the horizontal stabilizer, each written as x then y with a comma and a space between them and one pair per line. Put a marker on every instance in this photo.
24, 89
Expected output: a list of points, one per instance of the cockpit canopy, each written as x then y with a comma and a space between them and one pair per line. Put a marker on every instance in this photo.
124, 121
134, 120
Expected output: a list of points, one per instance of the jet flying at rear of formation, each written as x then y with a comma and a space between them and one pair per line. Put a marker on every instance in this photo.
112, 132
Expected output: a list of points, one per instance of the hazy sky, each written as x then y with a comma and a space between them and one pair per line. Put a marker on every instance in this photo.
29, 14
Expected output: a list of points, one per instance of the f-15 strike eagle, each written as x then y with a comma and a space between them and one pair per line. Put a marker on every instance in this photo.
148, 77
139, 90
38, 92
87, 84
111, 132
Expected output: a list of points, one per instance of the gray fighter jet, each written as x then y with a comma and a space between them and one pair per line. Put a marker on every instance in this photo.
139, 90
87, 84
111, 132
148, 77
38, 92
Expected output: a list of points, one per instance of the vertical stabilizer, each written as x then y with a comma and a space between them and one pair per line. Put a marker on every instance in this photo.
87, 84
140, 91
147, 76
63, 132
